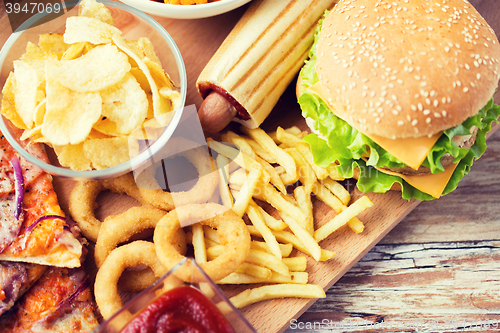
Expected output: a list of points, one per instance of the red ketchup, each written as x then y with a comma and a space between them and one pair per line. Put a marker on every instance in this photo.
180, 310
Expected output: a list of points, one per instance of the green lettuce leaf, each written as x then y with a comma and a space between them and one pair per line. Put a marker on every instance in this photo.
347, 145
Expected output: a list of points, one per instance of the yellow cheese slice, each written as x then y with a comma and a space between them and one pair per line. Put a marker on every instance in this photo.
410, 151
432, 184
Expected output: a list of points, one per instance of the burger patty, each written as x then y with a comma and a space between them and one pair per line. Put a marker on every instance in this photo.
462, 141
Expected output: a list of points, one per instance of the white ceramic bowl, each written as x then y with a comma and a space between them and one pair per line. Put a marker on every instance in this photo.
144, 26
185, 11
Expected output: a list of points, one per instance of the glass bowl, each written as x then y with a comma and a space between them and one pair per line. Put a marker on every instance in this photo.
167, 283
134, 24
186, 11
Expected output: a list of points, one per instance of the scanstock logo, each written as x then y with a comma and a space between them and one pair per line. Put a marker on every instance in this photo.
24, 14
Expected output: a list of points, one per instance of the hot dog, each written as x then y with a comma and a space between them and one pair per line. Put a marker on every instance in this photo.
257, 61
215, 113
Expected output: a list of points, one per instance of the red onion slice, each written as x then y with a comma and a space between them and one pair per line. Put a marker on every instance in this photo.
42, 218
19, 180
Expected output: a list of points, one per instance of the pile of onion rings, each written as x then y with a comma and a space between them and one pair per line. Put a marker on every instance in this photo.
137, 264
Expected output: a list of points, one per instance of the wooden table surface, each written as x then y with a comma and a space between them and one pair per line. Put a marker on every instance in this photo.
438, 270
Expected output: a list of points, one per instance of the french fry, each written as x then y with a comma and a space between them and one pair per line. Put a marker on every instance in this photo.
258, 221
225, 193
271, 222
254, 270
237, 179
296, 131
287, 237
246, 192
275, 178
285, 249
210, 243
261, 151
267, 260
287, 138
200, 253
338, 190
305, 151
211, 234
307, 239
356, 225
238, 278
268, 144
334, 202
238, 157
304, 202
333, 172
272, 196
306, 173
240, 142
341, 219
263, 293
323, 194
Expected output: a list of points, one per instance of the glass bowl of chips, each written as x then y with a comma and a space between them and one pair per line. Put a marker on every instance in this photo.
192, 306
102, 86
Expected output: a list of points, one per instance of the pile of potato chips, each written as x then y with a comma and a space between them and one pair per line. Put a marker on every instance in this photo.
89, 93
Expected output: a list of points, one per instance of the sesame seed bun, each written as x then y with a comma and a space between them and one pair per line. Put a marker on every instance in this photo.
407, 68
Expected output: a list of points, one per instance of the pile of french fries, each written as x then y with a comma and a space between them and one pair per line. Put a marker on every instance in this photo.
258, 167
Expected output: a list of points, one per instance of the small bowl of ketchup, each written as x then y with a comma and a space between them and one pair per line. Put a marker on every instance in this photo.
172, 305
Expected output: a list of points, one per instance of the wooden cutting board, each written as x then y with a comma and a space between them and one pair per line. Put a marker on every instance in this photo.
197, 41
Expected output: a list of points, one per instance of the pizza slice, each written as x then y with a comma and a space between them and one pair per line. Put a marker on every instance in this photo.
60, 301
33, 227
34, 233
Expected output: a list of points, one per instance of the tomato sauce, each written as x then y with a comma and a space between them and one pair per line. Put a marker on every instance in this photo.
180, 310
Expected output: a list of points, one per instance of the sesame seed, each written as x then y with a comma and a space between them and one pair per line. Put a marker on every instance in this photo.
401, 123
414, 122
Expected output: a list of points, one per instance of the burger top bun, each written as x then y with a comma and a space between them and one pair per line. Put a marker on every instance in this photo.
407, 68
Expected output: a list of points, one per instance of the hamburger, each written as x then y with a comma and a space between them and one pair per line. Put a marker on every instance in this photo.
399, 93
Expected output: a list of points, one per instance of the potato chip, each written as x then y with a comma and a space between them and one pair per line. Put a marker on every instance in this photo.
148, 49
94, 9
161, 79
102, 67
53, 43
39, 112
25, 91
9, 104
72, 156
36, 58
31, 133
141, 78
173, 96
88, 29
74, 51
125, 104
69, 115
105, 153
160, 104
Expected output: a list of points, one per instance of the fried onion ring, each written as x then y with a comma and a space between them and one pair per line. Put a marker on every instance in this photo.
117, 229
231, 230
129, 255
82, 201
201, 192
